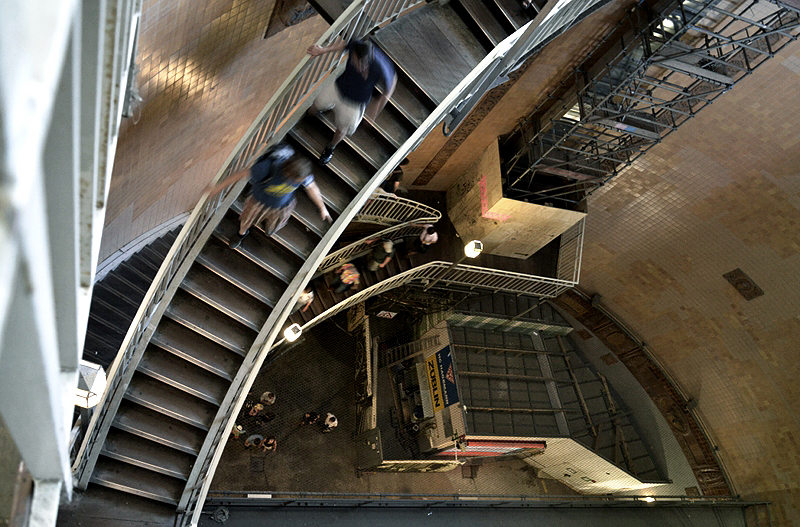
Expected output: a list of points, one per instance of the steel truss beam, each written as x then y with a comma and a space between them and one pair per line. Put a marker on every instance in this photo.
660, 74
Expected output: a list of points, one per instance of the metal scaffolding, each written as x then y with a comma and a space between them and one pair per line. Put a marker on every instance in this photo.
666, 64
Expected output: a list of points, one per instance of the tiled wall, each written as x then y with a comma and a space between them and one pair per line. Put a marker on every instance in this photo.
723, 192
205, 73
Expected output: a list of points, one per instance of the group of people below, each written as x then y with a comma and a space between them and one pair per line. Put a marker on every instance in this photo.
261, 416
348, 275
255, 413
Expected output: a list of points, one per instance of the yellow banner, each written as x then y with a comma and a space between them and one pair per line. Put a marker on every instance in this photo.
432, 370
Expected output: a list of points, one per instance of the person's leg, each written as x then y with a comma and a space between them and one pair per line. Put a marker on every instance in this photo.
340, 287
250, 213
325, 101
338, 135
347, 116
280, 217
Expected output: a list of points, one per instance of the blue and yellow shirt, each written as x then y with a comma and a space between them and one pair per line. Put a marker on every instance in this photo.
270, 188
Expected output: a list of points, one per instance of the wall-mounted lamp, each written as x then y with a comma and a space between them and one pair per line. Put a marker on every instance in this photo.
293, 332
471, 250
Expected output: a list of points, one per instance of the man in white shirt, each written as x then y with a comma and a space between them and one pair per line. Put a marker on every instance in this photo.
330, 422
427, 237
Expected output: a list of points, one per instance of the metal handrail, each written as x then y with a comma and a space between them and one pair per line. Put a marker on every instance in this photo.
364, 245
282, 111
446, 273
570, 253
388, 209
271, 496
515, 50
280, 114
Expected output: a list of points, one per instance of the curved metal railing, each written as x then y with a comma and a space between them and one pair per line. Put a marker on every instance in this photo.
283, 110
383, 209
446, 274
388, 209
364, 245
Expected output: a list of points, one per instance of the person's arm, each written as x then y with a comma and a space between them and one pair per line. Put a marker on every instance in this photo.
376, 105
234, 178
386, 261
315, 50
316, 197
305, 307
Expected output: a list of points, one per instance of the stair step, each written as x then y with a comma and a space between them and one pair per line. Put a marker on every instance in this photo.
134, 277
366, 141
157, 427
140, 452
164, 244
118, 293
409, 100
409, 42
114, 281
200, 351
178, 373
204, 319
98, 349
266, 285
107, 330
148, 259
170, 401
296, 239
144, 262
313, 136
488, 26
266, 252
234, 302
110, 314
134, 480
392, 125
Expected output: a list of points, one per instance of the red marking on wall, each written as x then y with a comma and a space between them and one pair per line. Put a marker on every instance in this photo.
485, 205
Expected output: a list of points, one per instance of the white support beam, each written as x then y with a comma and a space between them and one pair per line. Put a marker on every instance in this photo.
44, 507
31, 393
61, 178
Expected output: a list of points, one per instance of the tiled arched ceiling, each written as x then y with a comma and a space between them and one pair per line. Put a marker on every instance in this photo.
204, 74
721, 193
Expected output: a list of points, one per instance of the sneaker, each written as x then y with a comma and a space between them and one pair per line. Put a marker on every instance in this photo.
326, 155
236, 241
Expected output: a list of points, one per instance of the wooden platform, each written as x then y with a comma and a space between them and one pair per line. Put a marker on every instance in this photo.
450, 247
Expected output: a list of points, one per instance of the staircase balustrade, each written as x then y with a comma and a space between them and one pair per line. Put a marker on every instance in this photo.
570, 253
444, 273
388, 209
281, 113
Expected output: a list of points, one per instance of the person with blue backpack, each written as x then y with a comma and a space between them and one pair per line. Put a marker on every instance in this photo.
274, 178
